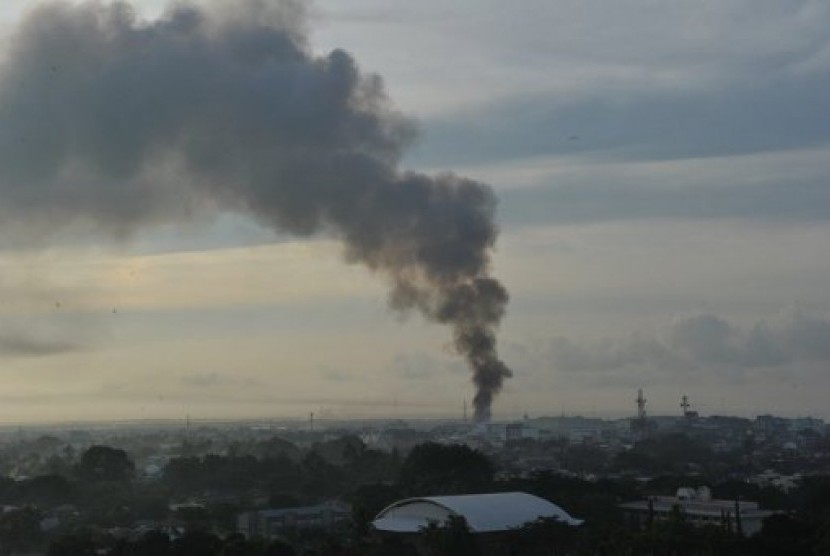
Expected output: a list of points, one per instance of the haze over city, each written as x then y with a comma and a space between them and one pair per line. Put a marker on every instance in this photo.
661, 177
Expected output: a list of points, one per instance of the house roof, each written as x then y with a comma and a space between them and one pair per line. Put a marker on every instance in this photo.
483, 512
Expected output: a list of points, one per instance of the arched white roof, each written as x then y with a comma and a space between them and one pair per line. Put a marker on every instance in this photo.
483, 512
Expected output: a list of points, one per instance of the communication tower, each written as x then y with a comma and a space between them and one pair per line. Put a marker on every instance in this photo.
686, 406
641, 425
641, 405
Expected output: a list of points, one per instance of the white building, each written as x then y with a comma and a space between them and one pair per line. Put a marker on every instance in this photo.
484, 513
698, 508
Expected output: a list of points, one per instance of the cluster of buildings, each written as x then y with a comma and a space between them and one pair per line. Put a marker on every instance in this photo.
493, 519
528, 445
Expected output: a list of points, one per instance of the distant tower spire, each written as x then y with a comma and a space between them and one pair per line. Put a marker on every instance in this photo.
641, 405
465, 410
311, 422
688, 412
641, 425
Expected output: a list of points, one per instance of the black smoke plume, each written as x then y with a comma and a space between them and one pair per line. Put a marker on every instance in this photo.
109, 123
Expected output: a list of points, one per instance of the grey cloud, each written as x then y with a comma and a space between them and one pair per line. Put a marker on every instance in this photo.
33, 344
202, 379
109, 123
736, 90
785, 110
791, 201
413, 367
704, 338
703, 341
336, 375
421, 366
606, 354
212, 379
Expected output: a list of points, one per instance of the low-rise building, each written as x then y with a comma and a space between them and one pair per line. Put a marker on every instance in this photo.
489, 517
274, 523
698, 507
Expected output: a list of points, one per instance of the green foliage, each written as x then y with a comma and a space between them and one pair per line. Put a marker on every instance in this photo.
72, 544
583, 458
452, 538
673, 453
279, 500
194, 518
47, 491
19, 530
432, 468
106, 503
149, 504
194, 543
368, 500
151, 543
280, 548
544, 536
102, 463
321, 478
595, 502
191, 475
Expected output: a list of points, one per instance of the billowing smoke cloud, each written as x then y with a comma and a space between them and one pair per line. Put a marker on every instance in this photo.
109, 123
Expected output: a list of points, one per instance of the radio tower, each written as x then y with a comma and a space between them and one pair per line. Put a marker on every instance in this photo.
688, 413
641, 405
641, 425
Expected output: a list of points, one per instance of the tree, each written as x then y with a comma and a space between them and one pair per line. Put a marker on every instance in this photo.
368, 500
151, 543
546, 535
280, 548
279, 500
432, 468
195, 543
452, 538
237, 545
102, 463
19, 530
783, 534
72, 544
46, 490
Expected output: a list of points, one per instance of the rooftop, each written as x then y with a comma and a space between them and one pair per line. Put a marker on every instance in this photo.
483, 512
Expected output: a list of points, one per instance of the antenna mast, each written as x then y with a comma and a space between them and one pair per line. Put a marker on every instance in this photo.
641, 405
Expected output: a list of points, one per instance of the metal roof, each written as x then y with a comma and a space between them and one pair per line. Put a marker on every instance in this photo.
483, 512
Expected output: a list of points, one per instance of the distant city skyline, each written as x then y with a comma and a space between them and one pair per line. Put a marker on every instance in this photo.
662, 176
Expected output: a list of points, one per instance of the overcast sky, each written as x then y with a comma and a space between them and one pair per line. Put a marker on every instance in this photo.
662, 174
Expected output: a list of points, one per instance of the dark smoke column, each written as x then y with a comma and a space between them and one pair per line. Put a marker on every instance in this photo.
109, 123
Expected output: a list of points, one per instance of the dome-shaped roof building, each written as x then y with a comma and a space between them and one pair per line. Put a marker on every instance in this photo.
484, 513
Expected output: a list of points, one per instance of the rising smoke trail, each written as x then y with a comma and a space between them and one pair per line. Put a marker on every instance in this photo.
110, 123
